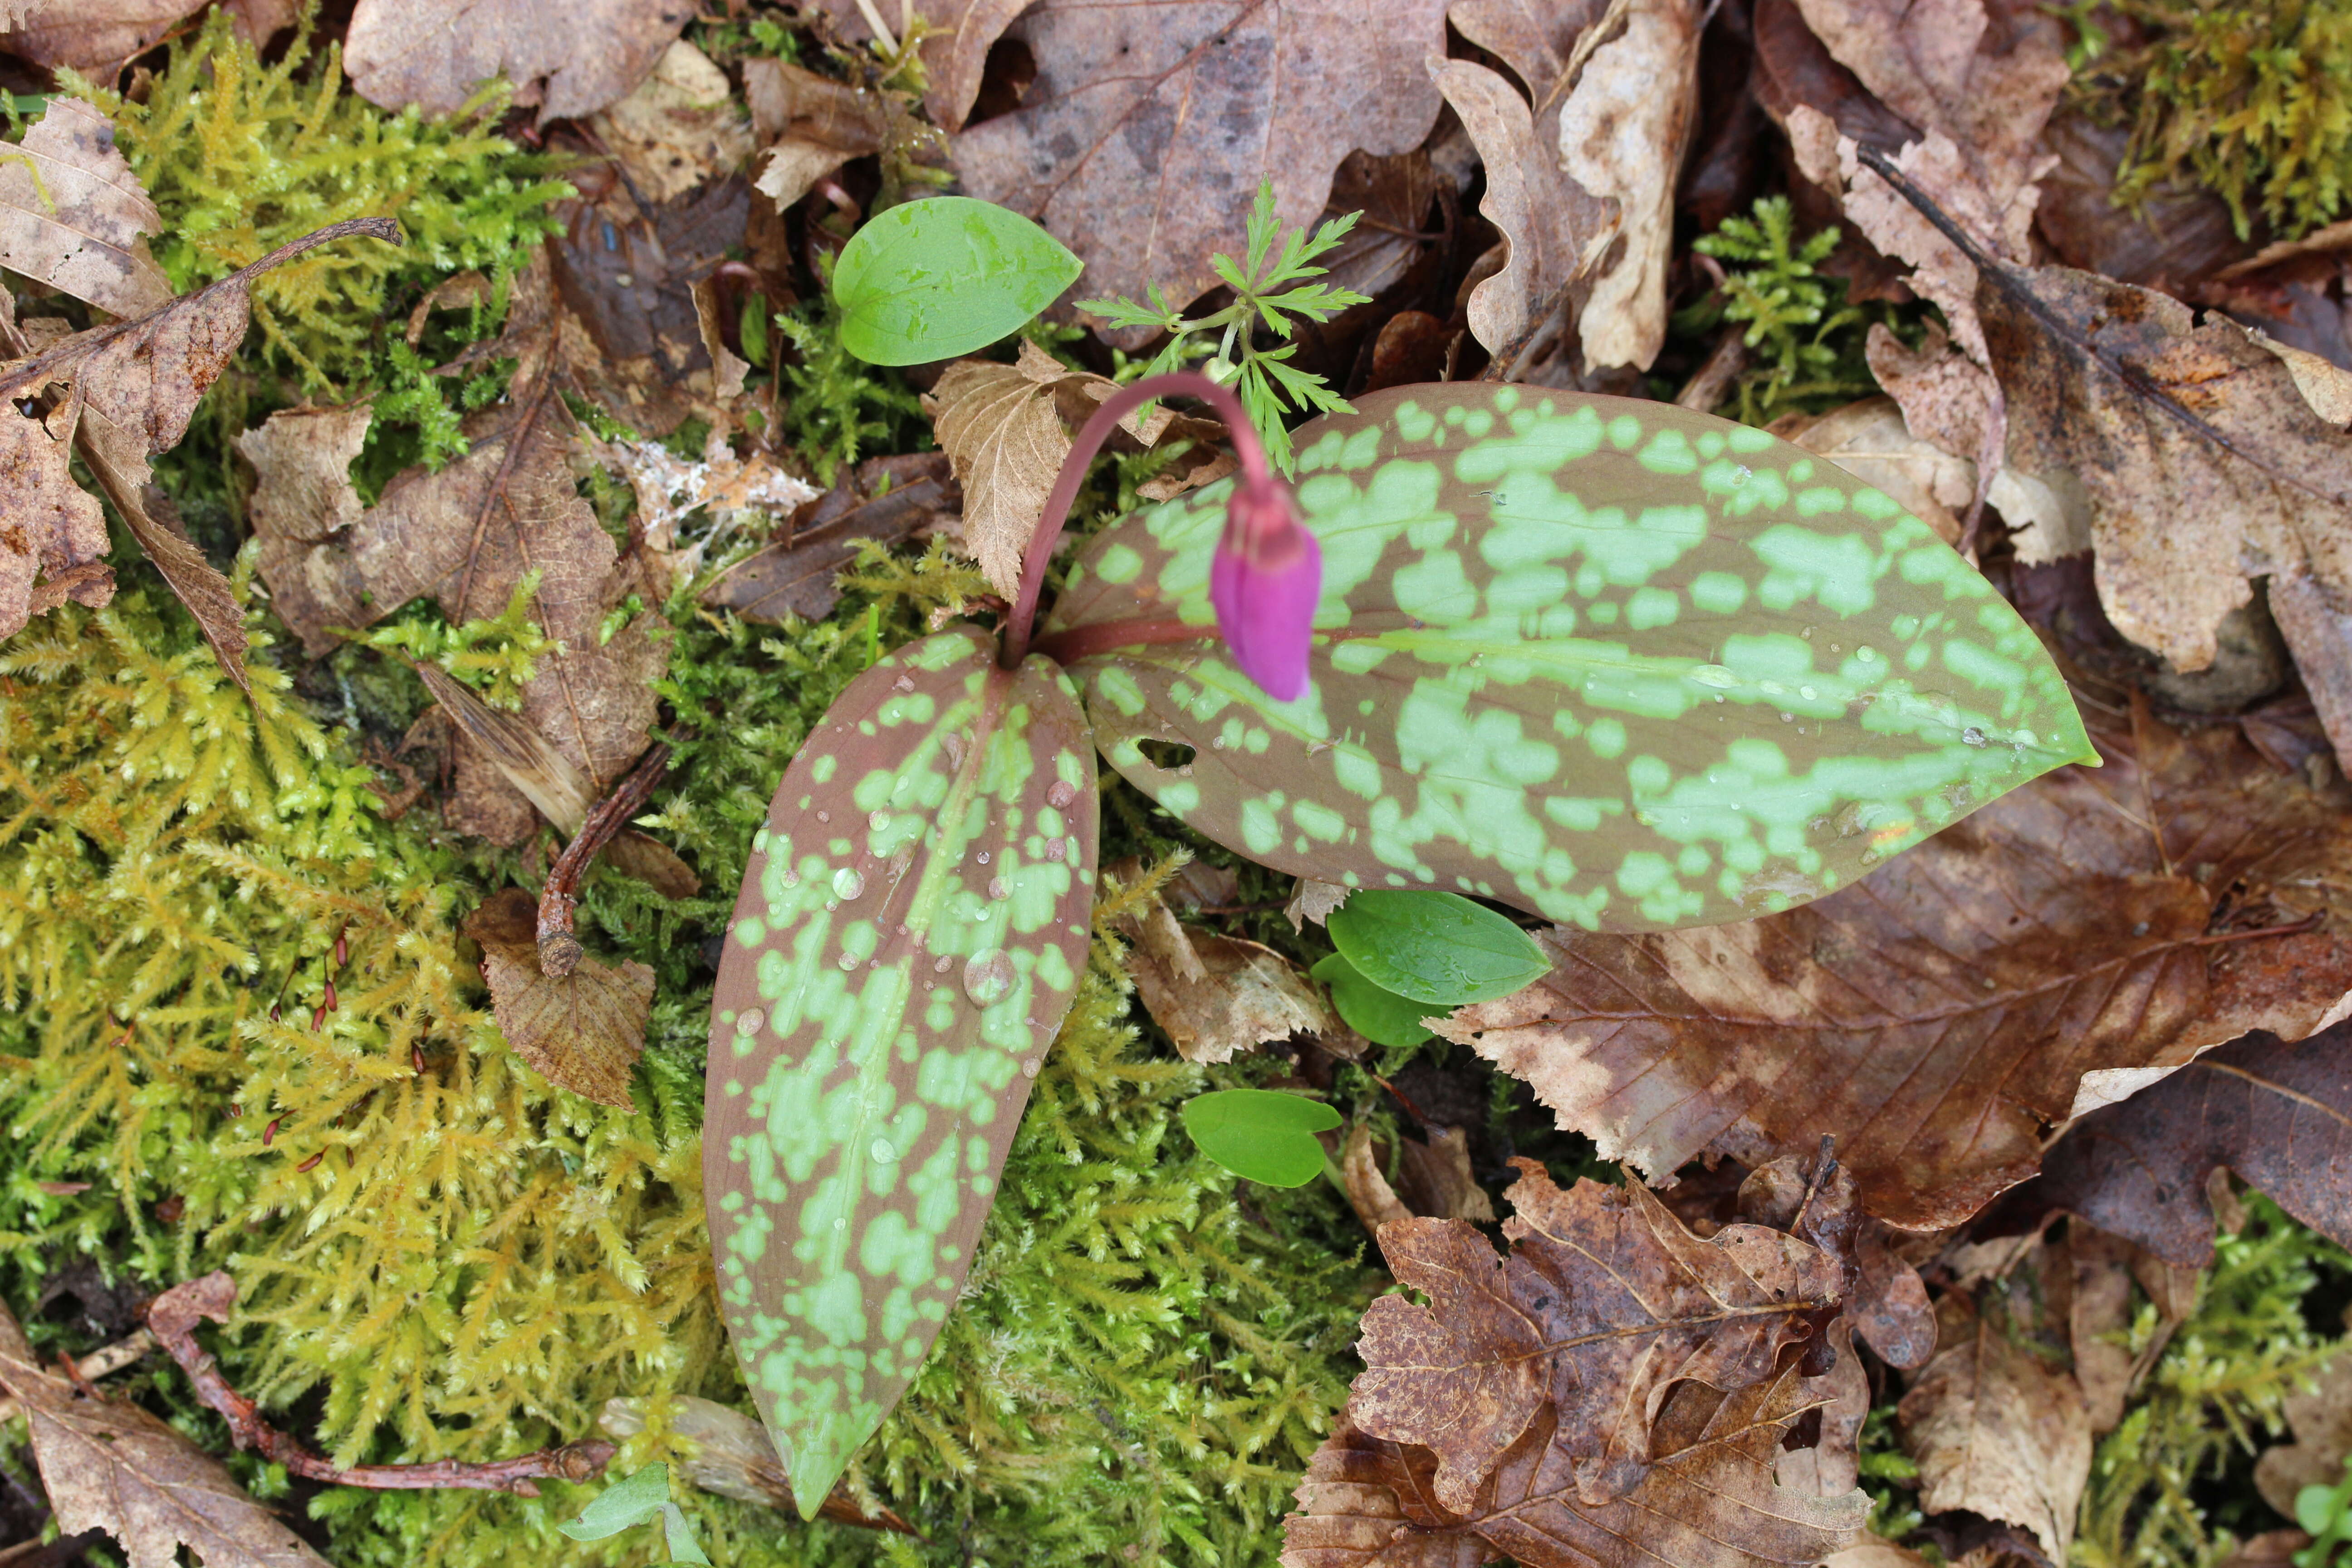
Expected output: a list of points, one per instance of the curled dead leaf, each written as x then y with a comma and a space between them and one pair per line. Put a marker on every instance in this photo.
74, 215
1217, 994
582, 1032
810, 125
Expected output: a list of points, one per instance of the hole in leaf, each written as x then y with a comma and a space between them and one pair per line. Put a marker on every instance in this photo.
1169, 754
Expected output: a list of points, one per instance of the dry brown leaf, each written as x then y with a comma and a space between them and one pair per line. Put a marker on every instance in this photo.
794, 575
302, 458
1937, 1043
1605, 1302
570, 58
958, 33
2320, 1417
109, 1465
1873, 441
1217, 994
582, 1032
1151, 125
97, 39
74, 215
2180, 523
1708, 1499
1948, 401
1314, 901
1367, 1186
132, 388
678, 127
2278, 1116
810, 125
52, 531
2098, 1323
1995, 1431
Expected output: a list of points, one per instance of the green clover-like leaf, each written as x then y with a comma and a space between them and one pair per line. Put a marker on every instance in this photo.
1438, 949
1261, 1134
1617, 663
1381, 1017
934, 279
911, 930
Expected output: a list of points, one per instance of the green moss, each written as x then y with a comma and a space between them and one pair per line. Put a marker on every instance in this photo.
2252, 100
2210, 1403
242, 157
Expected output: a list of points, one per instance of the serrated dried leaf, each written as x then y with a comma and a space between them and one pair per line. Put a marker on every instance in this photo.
1100, 151
1217, 994
1710, 1502
812, 125
1313, 900
2278, 1115
52, 531
1605, 1302
582, 1031
1995, 1431
913, 924
1938, 1045
74, 215
109, 1465
1558, 637
570, 59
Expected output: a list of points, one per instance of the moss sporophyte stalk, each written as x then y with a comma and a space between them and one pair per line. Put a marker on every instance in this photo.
1613, 663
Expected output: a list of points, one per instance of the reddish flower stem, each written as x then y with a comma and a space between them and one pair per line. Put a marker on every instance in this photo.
559, 950
173, 1317
1082, 642
1256, 475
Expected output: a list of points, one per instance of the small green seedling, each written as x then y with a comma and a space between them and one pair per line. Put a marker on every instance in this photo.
2325, 1512
1381, 1017
1261, 1134
638, 1498
1438, 949
935, 278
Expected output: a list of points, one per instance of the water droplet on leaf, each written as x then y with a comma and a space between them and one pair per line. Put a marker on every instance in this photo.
988, 977
1059, 794
847, 883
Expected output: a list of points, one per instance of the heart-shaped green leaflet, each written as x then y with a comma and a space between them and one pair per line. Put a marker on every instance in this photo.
1261, 1134
911, 929
1381, 1017
941, 277
1614, 662
1437, 949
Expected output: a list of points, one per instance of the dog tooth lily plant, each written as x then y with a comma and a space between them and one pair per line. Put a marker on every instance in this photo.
1606, 661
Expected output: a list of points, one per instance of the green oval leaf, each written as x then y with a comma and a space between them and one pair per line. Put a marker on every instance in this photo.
912, 926
1626, 666
1435, 948
1381, 1017
932, 280
1263, 1135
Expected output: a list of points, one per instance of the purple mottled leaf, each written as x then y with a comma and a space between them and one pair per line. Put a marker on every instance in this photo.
1619, 663
911, 929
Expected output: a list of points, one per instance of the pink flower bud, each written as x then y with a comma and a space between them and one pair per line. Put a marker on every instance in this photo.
1266, 581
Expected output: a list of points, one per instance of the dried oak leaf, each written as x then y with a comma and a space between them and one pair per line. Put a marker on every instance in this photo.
1996, 1431
810, 125
582, 1032
74, 215
2321, 1419
2279, 1116
97, 39
109, 1465
1151, 124
678, 127
1581, 181
2052, 952
795, 575
570, 58
1707, 1498
1604, 1303
956, 41
1217, 994
130, 390
2180, 522
1007, 430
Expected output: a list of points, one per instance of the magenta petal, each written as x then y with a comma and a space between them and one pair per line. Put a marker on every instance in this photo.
1267, 615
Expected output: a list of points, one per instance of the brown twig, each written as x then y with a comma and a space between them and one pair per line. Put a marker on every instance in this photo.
173, 1317
98, 1363
559, 950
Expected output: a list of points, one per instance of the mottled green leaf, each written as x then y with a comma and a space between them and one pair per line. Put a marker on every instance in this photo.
1624, 665
1261, 1134
1381, 1017
911, 929
639, 1498
935, 278
1435, 948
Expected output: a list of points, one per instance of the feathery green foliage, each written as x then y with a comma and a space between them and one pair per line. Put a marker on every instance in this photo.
2212, 1396
241, 157
2252, 100
1807, 340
